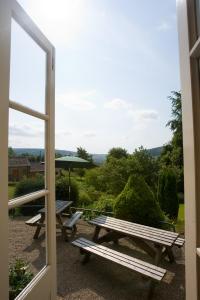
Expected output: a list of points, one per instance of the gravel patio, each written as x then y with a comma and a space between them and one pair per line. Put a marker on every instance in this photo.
99, 279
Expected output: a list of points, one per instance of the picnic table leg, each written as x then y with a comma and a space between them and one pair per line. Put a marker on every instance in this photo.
87, 255
170, 254
144, 246
157, 259
96, 233
37, 231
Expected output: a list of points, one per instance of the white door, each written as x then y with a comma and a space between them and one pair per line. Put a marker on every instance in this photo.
189, 49
43, 285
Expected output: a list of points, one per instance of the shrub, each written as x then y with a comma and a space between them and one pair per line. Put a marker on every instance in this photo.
95, 178
62, 189
105, 203
137, 203
167, 193
19, 277
84, 199
26, 186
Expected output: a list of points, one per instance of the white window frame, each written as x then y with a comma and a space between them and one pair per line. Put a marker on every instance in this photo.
43, 285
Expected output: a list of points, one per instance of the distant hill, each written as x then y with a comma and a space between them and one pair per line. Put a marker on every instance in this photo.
38, 151
97, 158
155, 152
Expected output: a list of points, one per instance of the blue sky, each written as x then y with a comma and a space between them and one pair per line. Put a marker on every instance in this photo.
116, 63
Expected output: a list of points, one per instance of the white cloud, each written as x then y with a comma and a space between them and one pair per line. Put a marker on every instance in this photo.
89, 134
164, 26
24, 131
140, 115
77, 100
63, 133
117, 104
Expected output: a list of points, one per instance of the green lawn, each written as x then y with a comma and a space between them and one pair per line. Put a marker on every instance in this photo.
11, 190
181, 219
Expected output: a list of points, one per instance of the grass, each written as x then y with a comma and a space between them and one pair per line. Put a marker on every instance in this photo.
181, 219
11, 190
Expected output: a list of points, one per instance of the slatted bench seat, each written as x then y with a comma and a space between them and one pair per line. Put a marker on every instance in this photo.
70, 223
34, 220
179, 242
146, 269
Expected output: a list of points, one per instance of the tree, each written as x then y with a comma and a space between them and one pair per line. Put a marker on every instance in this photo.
142, 163
172, 154
167, 193
11, 152
117, 152
137, 203
82, 153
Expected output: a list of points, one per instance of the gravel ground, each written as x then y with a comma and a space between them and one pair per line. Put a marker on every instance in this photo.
99, 279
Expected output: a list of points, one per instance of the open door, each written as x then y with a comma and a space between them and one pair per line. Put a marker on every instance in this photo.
189, 49
43, 285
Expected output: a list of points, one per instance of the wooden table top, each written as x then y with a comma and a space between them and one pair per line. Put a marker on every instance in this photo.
155, 235
60, 206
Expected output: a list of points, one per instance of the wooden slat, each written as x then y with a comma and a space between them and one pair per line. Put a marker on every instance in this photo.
133, 229
139, 229
180, 242
137, 265
72, 221
143, 227
134, 233
33, 220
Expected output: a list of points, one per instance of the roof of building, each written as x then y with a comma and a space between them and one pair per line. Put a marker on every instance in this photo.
19, 162
37, 167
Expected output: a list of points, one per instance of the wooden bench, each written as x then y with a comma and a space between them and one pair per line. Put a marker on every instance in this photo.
71, 223
34, 220
179, 242
151, 271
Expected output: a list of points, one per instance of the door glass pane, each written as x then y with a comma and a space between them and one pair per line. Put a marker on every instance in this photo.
26, 167
27, 246
27, 70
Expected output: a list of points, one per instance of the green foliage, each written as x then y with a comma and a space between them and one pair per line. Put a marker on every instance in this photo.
117, 153
26, 186
82, 153
137, 203
19, 277
112, 176
11, 152
142, 163
62, 189
84, 199
167, 193
172, 154
105, 203
95, 177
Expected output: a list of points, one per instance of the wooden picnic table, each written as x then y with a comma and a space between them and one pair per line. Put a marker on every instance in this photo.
156, 242
39, 219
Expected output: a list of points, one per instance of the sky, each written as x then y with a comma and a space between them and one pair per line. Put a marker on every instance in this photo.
116, 64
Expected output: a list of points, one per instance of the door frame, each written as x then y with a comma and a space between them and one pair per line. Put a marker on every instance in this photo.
189, 53
43, 285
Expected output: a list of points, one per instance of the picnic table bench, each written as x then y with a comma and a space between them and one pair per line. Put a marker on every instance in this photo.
156, 242
61, 206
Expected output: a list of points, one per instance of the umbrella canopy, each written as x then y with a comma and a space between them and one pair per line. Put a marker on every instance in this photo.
68, 162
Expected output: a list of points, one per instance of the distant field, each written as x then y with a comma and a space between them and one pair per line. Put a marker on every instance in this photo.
11, 190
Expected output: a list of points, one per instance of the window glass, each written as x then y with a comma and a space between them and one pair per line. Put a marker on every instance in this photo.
27, 70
